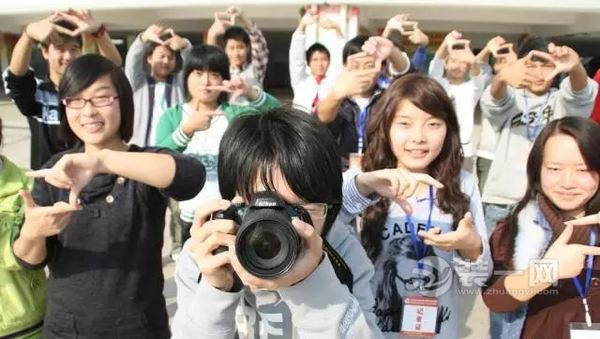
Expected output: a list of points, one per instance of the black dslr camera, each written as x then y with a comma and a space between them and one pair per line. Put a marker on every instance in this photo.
266, 243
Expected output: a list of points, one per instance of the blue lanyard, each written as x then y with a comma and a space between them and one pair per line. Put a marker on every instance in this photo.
413, 231
583, 292
532, 133
383, 81
360, 128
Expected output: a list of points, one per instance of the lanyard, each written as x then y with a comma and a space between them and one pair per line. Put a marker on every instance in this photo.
360, 128
534, 131
383, 81
413, 231
583, 292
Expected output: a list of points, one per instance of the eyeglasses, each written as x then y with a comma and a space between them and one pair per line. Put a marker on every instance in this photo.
316, 209
101, 101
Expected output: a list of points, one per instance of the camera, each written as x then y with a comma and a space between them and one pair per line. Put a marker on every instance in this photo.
267, 244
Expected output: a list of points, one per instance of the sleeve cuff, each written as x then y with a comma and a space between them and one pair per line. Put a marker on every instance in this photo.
179, 138
352, 200
396, 73
260, 99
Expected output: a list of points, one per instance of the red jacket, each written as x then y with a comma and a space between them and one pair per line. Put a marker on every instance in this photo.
596, 111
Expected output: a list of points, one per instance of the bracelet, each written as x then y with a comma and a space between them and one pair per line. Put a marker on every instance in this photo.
100, 32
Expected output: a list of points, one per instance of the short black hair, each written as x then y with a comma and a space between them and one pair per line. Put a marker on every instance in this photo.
64, 38
353, 46
149, 48
207, 58
316, 47
293, 141
536, 43
81, 74
238, 33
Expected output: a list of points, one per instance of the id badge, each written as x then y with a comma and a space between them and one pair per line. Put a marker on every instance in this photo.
419, 318
355, 161
582, 331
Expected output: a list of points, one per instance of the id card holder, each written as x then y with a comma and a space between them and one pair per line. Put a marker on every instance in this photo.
355, 161
419, 317
582, 331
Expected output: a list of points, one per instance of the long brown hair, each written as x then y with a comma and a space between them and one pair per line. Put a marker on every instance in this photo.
586, 134
429, 96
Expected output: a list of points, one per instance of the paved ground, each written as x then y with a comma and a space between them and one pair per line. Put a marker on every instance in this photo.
16, 148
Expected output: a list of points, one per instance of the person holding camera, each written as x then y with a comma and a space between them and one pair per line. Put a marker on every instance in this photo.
288, 264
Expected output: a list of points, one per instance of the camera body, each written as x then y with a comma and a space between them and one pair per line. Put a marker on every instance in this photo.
267, 244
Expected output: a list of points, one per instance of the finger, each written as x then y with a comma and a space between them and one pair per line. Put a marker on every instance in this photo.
588, 250
541, 55
405, 206
357, 56
27, 199
62, 30
215, 240
587, 220
210, 263
552, 74
39, 173
60, 208
52, 180
311, 237
74, 197
427, 179
206, 211
467, 220
565, 236
220, 89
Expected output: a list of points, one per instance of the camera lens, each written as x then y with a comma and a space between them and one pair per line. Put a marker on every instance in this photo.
265, 244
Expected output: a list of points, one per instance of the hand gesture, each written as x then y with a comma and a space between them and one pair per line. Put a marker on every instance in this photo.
354, 81
207, 236
570, 257
43, 222
517, 74
451, 37
464, 238
379, 47
42, 30
395, 184
461, 49
236, 88
199, 120
72, 172
395, 23
306, 263
83, 19
564, 58
153, 34
418, 38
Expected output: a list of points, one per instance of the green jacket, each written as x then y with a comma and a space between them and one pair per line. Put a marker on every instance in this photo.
22, 292
170, 135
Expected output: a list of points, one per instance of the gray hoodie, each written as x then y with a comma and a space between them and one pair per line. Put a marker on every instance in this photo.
320, 306
507, 178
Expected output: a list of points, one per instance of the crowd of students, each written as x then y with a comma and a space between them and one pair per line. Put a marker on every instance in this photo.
404, 209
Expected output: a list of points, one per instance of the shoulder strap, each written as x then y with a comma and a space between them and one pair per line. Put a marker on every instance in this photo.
342, 271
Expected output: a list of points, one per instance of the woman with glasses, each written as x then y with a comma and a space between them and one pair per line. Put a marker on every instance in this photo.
96, 214
325, 293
